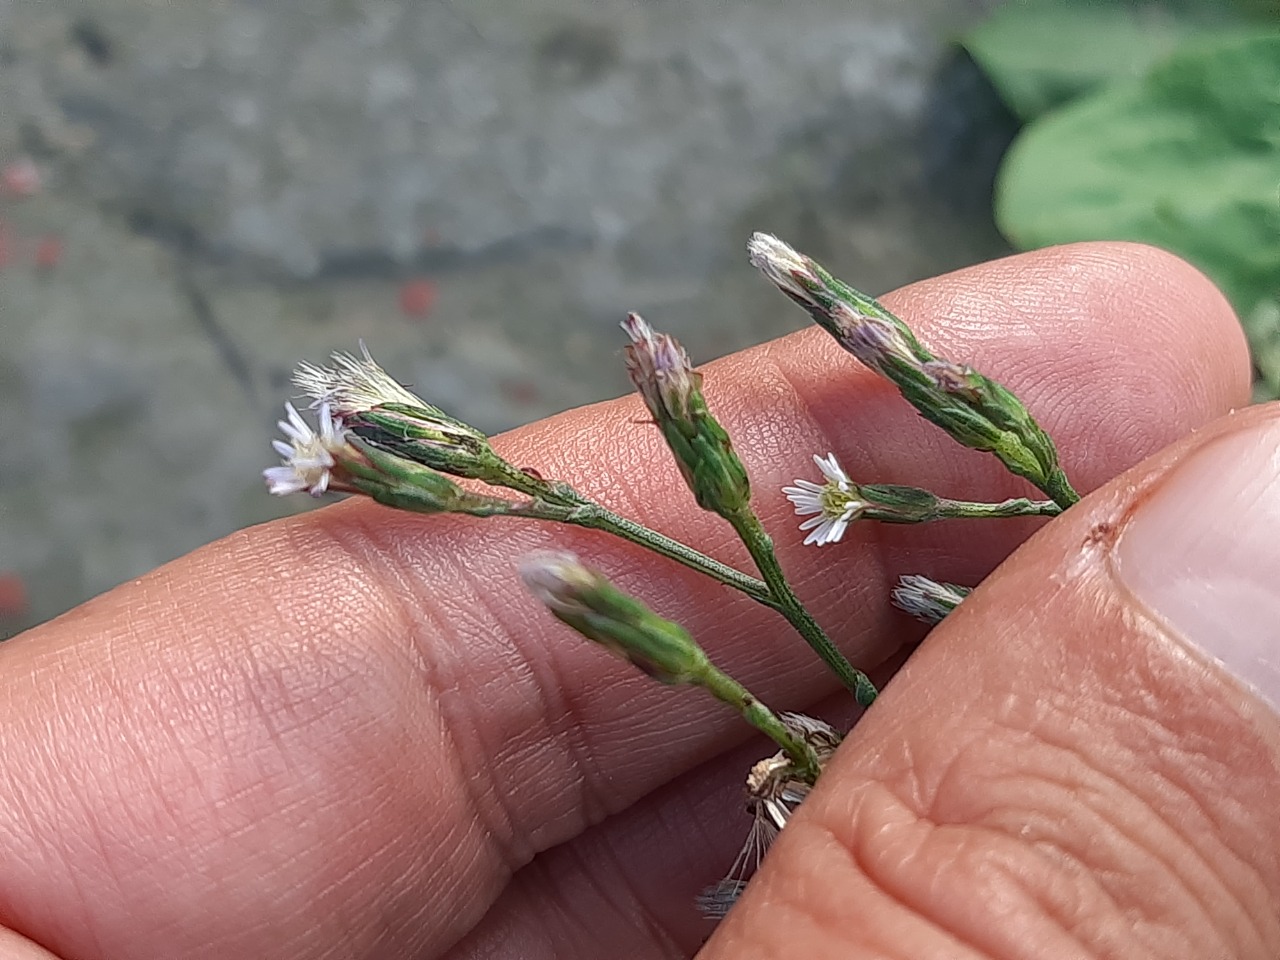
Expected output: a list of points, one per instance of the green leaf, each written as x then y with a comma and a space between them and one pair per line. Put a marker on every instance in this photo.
1042, 53
1187, 158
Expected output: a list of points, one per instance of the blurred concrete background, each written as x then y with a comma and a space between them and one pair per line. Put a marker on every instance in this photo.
195, 196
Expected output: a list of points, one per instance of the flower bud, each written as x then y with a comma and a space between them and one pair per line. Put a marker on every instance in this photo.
586, 601
672, 390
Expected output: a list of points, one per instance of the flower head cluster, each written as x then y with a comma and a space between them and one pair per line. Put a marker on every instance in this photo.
378, 410
835, 503
308, 457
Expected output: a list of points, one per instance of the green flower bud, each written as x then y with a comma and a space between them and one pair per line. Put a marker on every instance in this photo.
672, 390
599, 611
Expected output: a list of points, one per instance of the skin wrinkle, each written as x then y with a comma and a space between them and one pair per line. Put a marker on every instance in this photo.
1070, 744
705, 800
371, 559
552, 693
491, 812
566, 723
1151, 725
622, 893
418, 622
617, 892
921, 808
1070, 792
899, 892
1142, 716
791, 905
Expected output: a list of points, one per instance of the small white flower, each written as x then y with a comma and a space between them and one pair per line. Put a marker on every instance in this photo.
352, 385
833, 502
308, 457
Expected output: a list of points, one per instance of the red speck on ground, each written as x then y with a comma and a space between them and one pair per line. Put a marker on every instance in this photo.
417, 297
519, 391
13, 595
20, 178
49, 252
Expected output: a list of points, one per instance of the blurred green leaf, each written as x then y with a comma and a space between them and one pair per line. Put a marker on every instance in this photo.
1042, 53
1187, 158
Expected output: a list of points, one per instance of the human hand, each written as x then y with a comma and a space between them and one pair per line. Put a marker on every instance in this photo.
350, 734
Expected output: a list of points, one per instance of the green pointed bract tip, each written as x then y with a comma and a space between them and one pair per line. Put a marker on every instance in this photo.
975, 410
427, 436
672, 390
590, 604
396, 482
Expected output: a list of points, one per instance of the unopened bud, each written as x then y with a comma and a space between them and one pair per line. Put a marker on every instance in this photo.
586, 601
672, 390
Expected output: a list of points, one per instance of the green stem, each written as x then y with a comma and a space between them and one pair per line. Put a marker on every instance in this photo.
1017, 507
1059, 488
594, 516
760, 546
728, 690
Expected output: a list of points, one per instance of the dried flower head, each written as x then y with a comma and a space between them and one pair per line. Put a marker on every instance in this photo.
927, 599
836, 502
383, 414
308, 457
773, 794
352, 385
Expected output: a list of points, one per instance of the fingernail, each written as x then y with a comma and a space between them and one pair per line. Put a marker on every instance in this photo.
1203, 554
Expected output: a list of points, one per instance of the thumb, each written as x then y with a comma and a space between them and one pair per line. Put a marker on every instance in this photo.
1081, 761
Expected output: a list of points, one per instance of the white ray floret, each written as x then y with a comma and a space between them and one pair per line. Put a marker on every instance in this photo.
307, 457
830, 506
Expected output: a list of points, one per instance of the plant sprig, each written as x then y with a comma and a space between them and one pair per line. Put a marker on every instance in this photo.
376, 438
